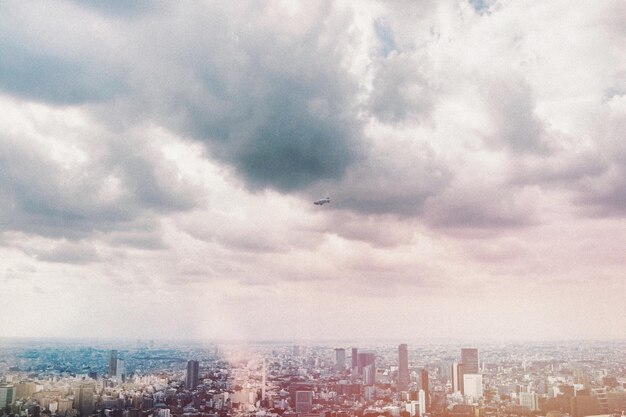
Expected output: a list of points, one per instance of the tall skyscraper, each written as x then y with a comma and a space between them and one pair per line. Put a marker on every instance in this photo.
473, 386
425, 387
403, 367
84, 399
263, 381
355, 359
422, 400
112, 363
365, 359
457, 377
7, 394
193, 372
120, 373
340, 359
469, 359
369, 375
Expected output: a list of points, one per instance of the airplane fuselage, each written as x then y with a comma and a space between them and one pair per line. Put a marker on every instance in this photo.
322, 201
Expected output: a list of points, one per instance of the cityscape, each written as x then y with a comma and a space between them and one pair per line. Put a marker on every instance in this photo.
312, 208
81, 378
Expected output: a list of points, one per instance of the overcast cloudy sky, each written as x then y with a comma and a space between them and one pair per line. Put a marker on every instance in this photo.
158, 163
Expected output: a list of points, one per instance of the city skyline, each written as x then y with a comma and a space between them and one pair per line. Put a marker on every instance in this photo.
159, 164
274, 379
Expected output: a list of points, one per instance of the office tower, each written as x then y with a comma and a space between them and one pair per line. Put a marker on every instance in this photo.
369, 375
355, 359
469, 359
304, 401
112, 363
119, 370
340, 359
296, 350
473, 385
403, 367
263, 381
7, 394
84, 399
425, 387
365, 359
457, 377
422, 400
193, 372
529, 400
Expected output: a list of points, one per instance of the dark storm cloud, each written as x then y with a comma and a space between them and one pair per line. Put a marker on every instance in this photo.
272, 99
295, 144
277, 105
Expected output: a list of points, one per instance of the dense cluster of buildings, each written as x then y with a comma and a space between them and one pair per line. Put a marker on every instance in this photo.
268, 380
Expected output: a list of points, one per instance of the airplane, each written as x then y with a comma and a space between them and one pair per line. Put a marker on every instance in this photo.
322, 201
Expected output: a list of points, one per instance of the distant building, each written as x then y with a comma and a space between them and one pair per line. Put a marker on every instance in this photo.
304, 401
603, 402
425, 386
403, 367
369, 375
469, 365
147, 402
193, 373
469, 359
112, 363
7, 394
529, 400
340, 359
473, 385
84, 399
457, 377
365, 359
120, 372
422, 402
355, 359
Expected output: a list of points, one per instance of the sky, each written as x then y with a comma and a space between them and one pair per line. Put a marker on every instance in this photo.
159, 160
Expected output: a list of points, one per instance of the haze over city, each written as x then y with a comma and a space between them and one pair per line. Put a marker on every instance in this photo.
159, 162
